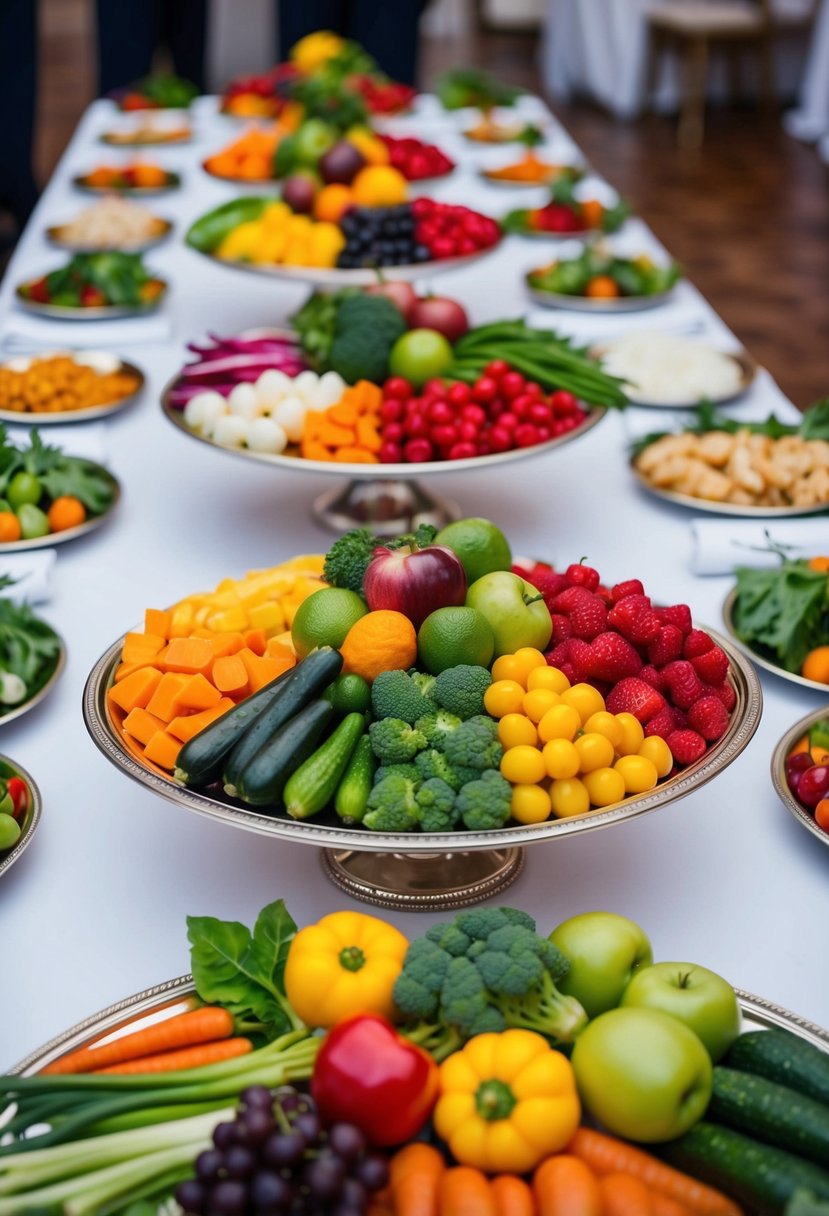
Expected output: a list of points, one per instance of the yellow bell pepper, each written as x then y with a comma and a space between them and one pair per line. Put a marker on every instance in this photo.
506, 1102
344, 965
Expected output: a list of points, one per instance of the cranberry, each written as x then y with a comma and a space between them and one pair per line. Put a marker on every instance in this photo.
512, 384
526, 435
397, 387
391, 410
468, 432
539, 413
390, 453
473, 413
813, 785
485, 389
440, 412
458, 394
462, 451
418, 450
444, 436
393, 432
499, 440
508, 421
434, 388
496, 369
522, 405
563, 402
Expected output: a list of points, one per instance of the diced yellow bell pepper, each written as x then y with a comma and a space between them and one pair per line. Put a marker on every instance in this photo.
229, 620
268, 616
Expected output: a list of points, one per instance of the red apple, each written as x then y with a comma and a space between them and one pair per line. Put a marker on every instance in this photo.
414, 581
402, 295
440, 313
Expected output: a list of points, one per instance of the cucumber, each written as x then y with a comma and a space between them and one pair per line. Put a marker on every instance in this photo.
353, 791
200, 760
781, 1056
770, 1112
310, 678
263, 780
313, 784
758, 1176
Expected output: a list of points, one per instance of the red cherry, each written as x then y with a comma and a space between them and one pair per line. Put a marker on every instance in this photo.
417, 426
459, 394
544, 433
500, 440
444, 436
496, 369
434, 388
393, 432
798, 762
418, 450
512, 385
468, 432
813, 785
473, 413
563, 402
462, 451
526, 435
539, 413
485, 389
390, 453
397, 387
441, 247
522, 405
391, 410
508, 421
440, 412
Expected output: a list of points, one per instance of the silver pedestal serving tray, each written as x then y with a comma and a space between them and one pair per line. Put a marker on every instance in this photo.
31, 820
760, 660
778, 772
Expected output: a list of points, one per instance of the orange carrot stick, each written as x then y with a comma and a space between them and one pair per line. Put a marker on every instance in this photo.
184, 1030
662, 1205
565, 1186
624, 1195
187, 1057
465, 1192
414, 1178
512, 1196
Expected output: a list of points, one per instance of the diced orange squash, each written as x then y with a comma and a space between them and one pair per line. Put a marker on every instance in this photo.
186, 726
141, 647
278, 650
141, 725
181, 620
226, 643
201, 631
256, 641
126, 669
189, 655
262, 670
163, 701
231, 676
136, 689
158, 621
285, 639
197, 694
163, 749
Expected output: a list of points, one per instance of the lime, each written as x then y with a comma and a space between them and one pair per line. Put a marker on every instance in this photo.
33, 521
349, 694
420, 355
481, 546
450, 636
24, 487
324, 618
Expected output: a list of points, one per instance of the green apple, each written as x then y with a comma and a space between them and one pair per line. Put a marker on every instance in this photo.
643, 1074
313, 139
604, 950
516, 612
701, 999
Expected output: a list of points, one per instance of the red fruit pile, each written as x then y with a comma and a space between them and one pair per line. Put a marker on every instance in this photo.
500, 411
417, 160
557, 217
645, 660
383, 96
448, 231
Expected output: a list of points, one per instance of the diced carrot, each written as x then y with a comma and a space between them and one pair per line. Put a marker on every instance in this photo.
197, 694
157, 621
277, 649
190, 655
163, 749
368, 436
312, 449
126, 669
141, 647
162, 702
262, 670
351, 455
226, 643
256, 640
136, 689
201, 631
345, 413
187, 725
141, 725
231, 676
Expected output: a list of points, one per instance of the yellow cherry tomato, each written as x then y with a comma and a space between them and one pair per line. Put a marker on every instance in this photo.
594, 751
547, 677
515, 729
530, 804
536, 703
560, 722
560, 758
529, 658
638, 773
585, 699
508, 667
523, 765
632, 734
569, 797
657, 751
503, 697
604, 723
604, 786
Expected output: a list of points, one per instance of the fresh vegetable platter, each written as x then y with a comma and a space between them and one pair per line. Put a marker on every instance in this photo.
20, 809
342, 1068
32, 657
530, 170
599, 281
159, 91
805, 748
139, 179
567, 214
94, 286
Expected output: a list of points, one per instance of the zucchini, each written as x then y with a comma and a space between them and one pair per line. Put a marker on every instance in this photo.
263, 780
781, 1056
313, 784
352, 793
770, 1112
200, 760
759, 1176
310, 677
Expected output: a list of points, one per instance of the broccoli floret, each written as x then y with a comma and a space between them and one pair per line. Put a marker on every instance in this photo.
346, 561
397, 770
425, 683
392, 806
366, 328
436, 800
426, 966
394, 694
395, 741
436, 724
450, 938
465, 998
461, 689
485, 803
478, 923
474, 744
432, 763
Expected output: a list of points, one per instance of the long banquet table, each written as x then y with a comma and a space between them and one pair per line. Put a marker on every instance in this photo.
95, 909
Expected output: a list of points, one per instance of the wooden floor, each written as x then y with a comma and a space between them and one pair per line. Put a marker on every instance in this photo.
748, 216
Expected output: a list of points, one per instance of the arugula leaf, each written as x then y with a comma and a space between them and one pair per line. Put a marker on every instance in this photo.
29, 648
784, 611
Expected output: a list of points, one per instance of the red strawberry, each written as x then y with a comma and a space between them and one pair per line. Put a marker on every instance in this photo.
548, 582
566, 600
614, 657
653, 677
684, 685
635, 618
580, 659
561, 628
631, 587
697, 642
709, 717
666, 646
579, 575
634, 696
588, 618
686, 746
726, 694
677, 614
712, 666
524, 566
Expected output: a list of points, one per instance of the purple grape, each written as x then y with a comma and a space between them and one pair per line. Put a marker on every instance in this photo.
354, 1194
240, 1162
309, 1125
347, 1141
372, 1171
270, 1190
259, 1123
324, 1176
256, 1097
228, 1198
209, 1164
224, 1135
288, 1098
192, 1196
346, 1209
283, 1149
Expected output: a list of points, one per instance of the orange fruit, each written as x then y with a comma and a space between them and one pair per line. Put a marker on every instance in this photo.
592, 212
379, 641
379, 186
602, 287
822, 814
9, 527
816, 665
65, 512
820, 563
332, 201
148, 175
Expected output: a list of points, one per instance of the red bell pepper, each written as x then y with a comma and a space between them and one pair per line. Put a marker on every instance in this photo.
19, 793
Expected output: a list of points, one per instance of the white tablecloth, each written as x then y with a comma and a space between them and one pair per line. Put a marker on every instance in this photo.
95, 909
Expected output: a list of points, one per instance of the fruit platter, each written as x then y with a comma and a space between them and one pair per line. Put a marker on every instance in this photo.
20, 807
600, 281
94, 287
752, 469
511, 703
530, 170
48, 497
780, 618
160, 91
481, 1067
66, 386
135, 178
670, 371
111, 223
800, 772
566, 215
32, 657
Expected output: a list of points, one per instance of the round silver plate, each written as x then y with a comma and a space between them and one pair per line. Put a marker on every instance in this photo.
710, 507
106, 312
31, 820
19, 418
745, 364
555, 299
766, 664
433, 877
17, 711
778, 772
61, 538
53, 235
173, 182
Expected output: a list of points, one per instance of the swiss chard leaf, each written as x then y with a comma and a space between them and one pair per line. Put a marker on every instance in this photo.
273, 933
783, 611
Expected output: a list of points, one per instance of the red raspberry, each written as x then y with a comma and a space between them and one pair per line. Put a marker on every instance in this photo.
666, 646
697, 642
634, 696
581, 659
653, 677
662, 724
579, 575
684, 685
588, 618
561, 628
686, 746
677, 614
709, 717
559, 654
726, 694
566, 600
711, 667
635, 618
613, 658
631, 587
566, 670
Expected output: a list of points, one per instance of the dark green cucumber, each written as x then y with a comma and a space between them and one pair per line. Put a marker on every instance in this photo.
781, 1056
200, 760
759, 1176
310, 677
313, 784
262, 782
352, 793
770, 1112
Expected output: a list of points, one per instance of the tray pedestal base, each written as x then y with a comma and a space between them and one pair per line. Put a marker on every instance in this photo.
386, 507
422, 882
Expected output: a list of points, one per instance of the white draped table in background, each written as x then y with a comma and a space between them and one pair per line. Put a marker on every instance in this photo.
95, 909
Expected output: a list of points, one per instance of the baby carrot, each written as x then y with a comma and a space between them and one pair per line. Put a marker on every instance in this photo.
184, 1030
565, 1186
175, 1061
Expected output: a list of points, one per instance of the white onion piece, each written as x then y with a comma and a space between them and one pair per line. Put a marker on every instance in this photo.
202, 410
330, 389
272, 386
290, 414
231, 431
244, 401
265, 435
305, 386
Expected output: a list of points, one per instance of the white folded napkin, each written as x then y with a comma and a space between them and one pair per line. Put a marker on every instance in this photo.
88, 442
717, 546
21, 332
32, 573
